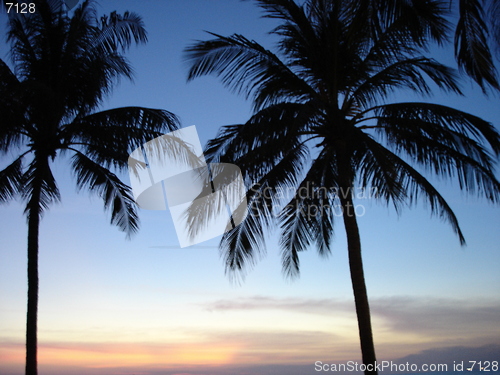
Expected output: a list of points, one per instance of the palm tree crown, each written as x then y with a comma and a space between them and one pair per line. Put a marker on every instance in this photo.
63, 69
322, 124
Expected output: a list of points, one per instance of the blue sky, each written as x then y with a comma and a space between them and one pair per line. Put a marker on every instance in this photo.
144, 306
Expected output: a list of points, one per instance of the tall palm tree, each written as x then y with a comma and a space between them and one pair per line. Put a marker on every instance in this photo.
322, 125
63, 69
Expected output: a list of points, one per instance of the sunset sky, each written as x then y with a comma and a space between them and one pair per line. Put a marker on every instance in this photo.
145, 306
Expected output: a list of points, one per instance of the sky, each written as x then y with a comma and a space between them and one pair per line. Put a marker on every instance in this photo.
144, 306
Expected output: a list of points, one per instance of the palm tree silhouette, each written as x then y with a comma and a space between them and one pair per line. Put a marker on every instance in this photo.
322, 126
63, 68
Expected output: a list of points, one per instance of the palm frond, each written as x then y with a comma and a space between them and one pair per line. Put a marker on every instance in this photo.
90, 77
241, 246
421, 21
40, 188
296, 234
325, 190
407, 73
8, 79
308, 217
222, 196
287, 10
298, 26
263, 201
236, 59
90, 60
116, 195
494, 18
436, 120
245, 67
377, 172
118, 31
447, 141
265, 198
108, 137
11, 108
392, 45
413, 183
277, 127
11, 180
216, 148
471, 45
23, 51
269, 137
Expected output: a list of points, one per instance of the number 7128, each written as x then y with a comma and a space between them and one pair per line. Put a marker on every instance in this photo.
20, 7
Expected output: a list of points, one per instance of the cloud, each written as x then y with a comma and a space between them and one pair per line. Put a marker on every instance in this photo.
298, 305
400, 312
466, 320
396, 320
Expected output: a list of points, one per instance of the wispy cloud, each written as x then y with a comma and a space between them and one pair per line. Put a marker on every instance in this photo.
471, 321
298, 305
424, 319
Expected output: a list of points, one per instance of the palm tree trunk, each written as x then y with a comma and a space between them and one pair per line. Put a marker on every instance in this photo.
358, 283
32, 311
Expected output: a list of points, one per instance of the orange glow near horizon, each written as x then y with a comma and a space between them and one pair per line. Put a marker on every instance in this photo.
123, 355
167, 355
127, 355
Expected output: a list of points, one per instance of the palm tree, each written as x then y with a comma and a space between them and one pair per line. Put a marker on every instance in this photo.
322, 126
63, 69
